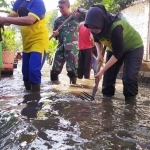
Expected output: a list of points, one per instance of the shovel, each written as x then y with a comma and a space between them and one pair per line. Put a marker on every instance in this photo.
96, 80
86, 95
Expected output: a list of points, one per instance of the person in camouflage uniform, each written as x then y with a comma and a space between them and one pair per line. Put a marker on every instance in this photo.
67, 36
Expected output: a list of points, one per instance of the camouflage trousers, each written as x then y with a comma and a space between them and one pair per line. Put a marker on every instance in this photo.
66, 53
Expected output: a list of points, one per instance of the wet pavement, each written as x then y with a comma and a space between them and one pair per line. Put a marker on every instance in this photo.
56, 119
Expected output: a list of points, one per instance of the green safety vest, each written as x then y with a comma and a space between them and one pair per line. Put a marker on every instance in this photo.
131, 37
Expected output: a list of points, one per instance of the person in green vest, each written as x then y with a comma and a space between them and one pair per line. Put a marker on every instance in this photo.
124, 46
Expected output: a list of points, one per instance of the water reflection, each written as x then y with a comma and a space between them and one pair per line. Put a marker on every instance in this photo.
32, 105
31, 110
65, 122
58, 120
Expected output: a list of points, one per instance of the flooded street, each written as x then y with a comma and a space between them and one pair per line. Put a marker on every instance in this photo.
62, 121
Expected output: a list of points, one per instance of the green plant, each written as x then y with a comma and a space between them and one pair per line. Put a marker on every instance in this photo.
52, 48
8, 36
6, 6
50, 18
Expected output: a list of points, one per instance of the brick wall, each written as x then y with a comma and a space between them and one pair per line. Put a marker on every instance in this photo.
138, 16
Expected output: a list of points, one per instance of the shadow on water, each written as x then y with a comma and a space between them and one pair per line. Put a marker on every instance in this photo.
54, 120
32, 105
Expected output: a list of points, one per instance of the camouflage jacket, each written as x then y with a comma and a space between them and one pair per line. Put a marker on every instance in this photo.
69, 32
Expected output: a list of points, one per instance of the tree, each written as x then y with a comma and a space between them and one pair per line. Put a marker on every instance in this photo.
8, 42
52, 48
50, 18
123, 3
6, 5
112, 6
87, 3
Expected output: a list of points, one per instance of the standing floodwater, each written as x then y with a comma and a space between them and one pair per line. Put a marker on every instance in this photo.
61, 121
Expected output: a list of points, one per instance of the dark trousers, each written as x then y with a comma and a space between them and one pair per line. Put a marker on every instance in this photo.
85, 62
132, 61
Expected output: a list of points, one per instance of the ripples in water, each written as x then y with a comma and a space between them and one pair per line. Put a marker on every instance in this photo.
66, 122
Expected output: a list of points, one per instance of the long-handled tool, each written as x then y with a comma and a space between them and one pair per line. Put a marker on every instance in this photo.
86, 95
71, 15
97, 79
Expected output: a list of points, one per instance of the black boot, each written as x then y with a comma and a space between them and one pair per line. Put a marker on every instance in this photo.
27, 85
35, 96
35, 87
130, 98
72, 77
54, 77
73, 80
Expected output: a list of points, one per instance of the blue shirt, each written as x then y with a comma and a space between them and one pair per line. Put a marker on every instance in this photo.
35, 36
35, 7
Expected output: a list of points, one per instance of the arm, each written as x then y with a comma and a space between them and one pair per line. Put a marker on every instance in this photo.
111, 61
118, 49
21, 21
91, 38
11, 15
36, 12
80, 14
99, 48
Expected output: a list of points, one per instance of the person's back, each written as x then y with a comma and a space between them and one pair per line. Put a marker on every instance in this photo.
84, 38
85, 52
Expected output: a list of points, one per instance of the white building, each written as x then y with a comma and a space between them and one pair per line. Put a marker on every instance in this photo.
138, 15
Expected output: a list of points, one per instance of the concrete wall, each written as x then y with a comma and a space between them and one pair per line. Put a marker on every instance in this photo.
138, 16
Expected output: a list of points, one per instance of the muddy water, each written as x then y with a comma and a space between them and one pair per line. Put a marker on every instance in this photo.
56, 119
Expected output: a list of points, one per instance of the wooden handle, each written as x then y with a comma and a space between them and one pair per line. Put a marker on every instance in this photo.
51, 36
71, 15
99, 66
62, 25
100, 63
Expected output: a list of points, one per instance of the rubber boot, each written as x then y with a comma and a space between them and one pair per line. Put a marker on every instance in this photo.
35, 96
35, 87
27, 85
107, 96
54, 77
73, 80
130, 98
72, 77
